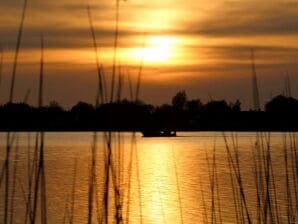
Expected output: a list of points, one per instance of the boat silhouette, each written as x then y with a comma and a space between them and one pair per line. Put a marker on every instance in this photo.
159, 133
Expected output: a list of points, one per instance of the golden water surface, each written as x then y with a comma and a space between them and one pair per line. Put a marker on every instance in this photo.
160, 180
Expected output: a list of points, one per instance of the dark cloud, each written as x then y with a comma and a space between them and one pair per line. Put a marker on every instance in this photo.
63, 37
249, 18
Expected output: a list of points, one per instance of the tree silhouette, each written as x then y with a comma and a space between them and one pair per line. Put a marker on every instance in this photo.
282, 104
194, 107
179, 100
219, 106
235, 107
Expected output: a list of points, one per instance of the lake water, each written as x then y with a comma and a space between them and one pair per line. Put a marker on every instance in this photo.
186, 179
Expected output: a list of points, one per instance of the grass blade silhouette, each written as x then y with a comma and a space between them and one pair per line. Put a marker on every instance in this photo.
140, 69
17, 50
1, 65
100, 92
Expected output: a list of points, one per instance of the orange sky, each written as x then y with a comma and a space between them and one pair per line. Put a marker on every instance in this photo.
197, 45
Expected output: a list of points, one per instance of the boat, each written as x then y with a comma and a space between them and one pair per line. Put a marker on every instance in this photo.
159, 133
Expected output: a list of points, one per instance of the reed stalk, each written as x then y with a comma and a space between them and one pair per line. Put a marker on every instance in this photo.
6, 167
217, 186
66, 210
235, 196
287, 183
14, 178
40, 178
257, 184
178, 187
235, 164
211, 181
32, 177
99, 211
7, 179
140, 69
131, 156
130, 86
17, 50
107, 176
115, 50
139, 185
73, 192
104, 82
92, 178
100, 98
120, 84
205, 216
1, 65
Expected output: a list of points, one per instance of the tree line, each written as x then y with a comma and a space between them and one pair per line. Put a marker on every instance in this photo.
181, 114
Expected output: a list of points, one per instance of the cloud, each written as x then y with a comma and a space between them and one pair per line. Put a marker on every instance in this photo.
248, 18
221, 33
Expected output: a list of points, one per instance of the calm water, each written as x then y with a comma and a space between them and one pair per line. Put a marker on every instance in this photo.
160, 180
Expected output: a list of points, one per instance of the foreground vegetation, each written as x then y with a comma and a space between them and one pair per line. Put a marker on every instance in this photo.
271, 195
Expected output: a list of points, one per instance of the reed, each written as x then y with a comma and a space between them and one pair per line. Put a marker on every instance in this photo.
1, 64
104, 82
120, 84
115, 49
27, 95
205, 213
139, 184
40, 178
6, 167
99, 214
268, 199
17, 50
287, 183
130, 85
100, 97
140, 69
130, 165
66, 210
233, 159
14, 178
36, 198
73, 192
32, 170
211, 181
119, 171
7, 175
217, 185
92, 178
178, 187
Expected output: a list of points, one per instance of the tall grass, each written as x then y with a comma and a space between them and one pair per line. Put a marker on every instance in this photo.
255, 87
1, 65
40, 175
271, 193
178, 186
130, 86
140, 69
73, 193
6, 166
100, 97
17, 50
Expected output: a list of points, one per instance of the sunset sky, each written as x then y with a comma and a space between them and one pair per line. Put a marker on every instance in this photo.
201, 46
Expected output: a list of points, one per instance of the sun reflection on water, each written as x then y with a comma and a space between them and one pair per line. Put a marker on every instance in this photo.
159, 186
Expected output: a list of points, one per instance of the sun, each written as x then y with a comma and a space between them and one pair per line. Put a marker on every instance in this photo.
158, 49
